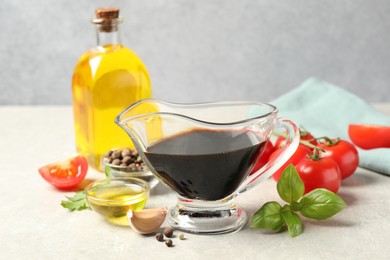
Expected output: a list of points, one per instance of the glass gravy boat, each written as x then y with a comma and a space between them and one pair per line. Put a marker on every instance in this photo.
205, 152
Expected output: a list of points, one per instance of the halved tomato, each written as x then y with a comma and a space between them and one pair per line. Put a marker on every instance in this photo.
369, 136
67, 173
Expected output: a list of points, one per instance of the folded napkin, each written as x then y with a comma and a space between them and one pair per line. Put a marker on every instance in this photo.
324, 109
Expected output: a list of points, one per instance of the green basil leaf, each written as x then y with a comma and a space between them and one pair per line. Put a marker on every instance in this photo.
290, 186
321, 204
293, 221
77, 202
79, 195
268, 216
295, 206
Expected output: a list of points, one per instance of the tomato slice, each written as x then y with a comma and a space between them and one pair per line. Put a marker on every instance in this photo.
67, 173
369, 136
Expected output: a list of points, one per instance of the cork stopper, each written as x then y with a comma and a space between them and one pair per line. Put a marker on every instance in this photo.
107, 13
107, 19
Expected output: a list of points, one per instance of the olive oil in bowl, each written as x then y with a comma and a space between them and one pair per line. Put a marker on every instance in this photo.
115, 197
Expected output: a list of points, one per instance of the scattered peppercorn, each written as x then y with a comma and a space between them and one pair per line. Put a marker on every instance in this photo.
159, 237
168, 232
169, 243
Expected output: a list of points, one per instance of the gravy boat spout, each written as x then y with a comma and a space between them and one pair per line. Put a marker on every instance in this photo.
205, 152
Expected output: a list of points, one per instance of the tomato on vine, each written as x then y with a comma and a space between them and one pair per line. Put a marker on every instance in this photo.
319, 172
304, 136
300, 153
343, 153
268, 150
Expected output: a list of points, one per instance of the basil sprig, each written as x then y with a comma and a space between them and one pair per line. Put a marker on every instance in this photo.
79, 200
318, 204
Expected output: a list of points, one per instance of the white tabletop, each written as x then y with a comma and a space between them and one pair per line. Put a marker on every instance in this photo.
34, 226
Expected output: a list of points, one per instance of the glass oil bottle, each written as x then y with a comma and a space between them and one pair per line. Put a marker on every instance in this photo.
106, 80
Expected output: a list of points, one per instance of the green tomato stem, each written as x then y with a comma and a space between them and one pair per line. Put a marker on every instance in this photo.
315, 155
304, 142
329, 141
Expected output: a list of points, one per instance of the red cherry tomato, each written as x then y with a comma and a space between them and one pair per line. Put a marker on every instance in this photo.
304, 135
300, 153
268, 150
67, 173
320, 173
369, 136
344, 154
280, 142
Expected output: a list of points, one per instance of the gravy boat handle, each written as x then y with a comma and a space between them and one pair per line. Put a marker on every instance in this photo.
292, 142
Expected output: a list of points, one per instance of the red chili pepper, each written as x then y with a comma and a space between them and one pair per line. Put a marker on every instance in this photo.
369, 136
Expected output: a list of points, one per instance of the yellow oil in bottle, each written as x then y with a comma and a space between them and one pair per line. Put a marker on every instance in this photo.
113, 203
106, 80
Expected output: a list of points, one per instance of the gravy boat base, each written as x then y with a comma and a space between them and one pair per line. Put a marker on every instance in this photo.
207, 218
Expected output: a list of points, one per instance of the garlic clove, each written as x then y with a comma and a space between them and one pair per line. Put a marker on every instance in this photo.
148, 220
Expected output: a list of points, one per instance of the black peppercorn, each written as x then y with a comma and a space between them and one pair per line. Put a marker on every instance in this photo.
159, 237
168, 232
169, 243
126, 160
116, 155
126, 152
116, 162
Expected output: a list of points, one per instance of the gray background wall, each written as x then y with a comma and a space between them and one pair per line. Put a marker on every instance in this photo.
202, 50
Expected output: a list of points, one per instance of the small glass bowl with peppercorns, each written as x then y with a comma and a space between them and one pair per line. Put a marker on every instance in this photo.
126, 162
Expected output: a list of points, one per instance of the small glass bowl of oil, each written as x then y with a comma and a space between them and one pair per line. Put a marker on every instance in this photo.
113, 198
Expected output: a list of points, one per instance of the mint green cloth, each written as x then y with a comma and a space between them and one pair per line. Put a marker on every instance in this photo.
325, 109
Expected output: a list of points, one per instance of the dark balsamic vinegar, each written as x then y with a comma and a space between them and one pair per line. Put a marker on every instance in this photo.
205, 164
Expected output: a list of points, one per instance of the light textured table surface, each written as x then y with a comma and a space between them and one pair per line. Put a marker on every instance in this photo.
34, 226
